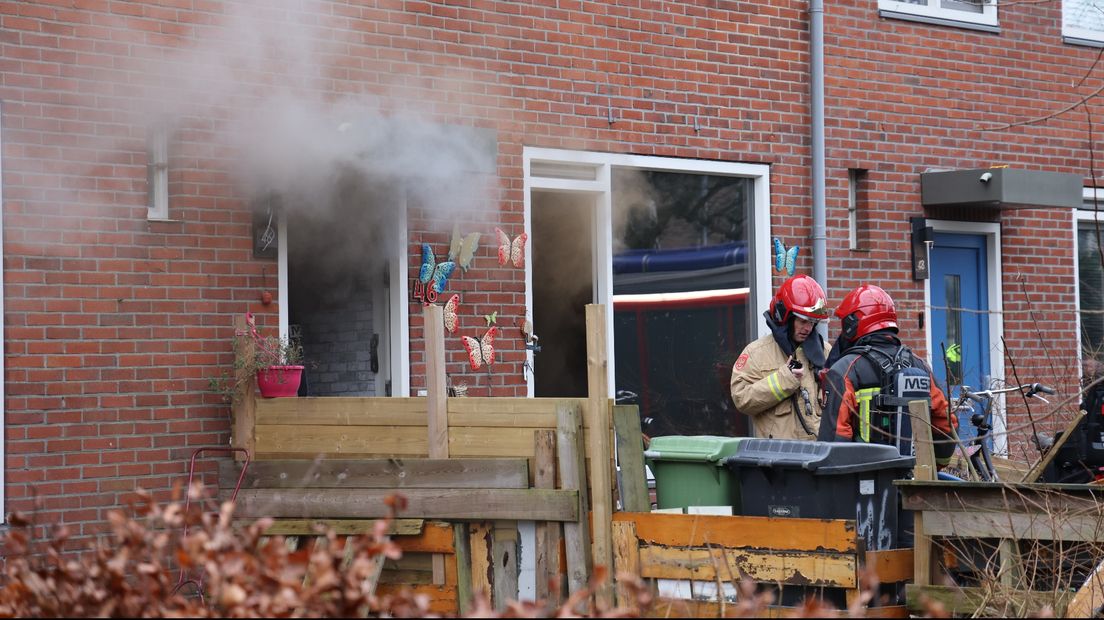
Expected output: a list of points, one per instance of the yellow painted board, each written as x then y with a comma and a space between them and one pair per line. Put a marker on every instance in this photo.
770, 566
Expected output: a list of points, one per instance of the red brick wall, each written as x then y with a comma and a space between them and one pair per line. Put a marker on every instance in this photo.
113, 324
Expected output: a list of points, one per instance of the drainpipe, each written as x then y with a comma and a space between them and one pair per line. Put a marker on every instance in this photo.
816, 89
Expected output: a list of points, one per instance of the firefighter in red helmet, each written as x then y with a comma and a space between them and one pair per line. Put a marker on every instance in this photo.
860, 404
774, 380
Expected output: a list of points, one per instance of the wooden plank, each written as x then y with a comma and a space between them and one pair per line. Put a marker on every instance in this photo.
626, 557
891, 565
925, 470
498, 409
517, 504
442, 600
1089, 598
436, 390
436, 537
785, 534
462, 545
1000, 497
599, 449
1069, 527
342, 441
572, 471
480, 544
683, 608
632, 483
547, 533
504, 555
342, 527
1037, 470
838, 570
379, 474
343, 411
243, 402
985, 602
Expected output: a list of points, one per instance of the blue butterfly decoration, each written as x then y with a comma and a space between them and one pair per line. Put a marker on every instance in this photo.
433, 274
784, 260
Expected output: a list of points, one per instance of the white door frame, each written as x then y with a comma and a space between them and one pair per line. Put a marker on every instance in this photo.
991, 232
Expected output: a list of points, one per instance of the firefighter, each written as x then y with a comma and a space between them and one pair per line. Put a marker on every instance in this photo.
855, 376
774, 380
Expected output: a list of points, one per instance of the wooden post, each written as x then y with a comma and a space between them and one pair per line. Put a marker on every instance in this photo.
436, 401
243, 402
504, 556
462, 545
598, 448
924, 470
436, 392
572, 476
632, 483
548, 533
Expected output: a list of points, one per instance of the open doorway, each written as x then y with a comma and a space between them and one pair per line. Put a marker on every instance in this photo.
339, 281
563, 284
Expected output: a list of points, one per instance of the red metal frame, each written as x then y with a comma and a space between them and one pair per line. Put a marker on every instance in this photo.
184, 579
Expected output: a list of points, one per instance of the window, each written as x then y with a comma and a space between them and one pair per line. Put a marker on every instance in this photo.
669, 246
857, 210
1090, 274
157, 173
979, 14
1083, 21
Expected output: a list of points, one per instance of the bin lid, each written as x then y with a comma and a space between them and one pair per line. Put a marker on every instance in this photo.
818, 457
699, 448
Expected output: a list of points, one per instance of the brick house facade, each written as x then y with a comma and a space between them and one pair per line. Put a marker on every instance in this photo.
385, 125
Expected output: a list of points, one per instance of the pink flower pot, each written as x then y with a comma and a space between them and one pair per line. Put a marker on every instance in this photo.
279, 381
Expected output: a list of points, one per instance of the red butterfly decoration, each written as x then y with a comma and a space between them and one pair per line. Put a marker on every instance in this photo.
451, 314
481, 352
513, 251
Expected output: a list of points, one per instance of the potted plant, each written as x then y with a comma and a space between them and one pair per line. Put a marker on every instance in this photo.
275, 362
278, 366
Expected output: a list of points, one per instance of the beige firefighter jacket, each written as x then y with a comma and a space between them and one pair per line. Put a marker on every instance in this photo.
761, 388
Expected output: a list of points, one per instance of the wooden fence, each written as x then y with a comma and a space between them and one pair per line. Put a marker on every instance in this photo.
709, 553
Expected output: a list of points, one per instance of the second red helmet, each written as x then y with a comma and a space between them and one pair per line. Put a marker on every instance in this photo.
867, 308
800, 296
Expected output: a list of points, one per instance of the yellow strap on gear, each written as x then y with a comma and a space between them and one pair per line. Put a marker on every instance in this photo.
864, 396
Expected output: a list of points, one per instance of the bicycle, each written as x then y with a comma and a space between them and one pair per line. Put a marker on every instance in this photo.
978, 456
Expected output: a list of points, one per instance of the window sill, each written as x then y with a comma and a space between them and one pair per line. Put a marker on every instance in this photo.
938, 21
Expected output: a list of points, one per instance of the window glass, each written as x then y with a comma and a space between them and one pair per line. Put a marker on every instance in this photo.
681, 285
1083, 19
1091, 287
967, 13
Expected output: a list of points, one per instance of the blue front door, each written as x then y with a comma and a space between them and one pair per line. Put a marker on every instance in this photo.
960, 317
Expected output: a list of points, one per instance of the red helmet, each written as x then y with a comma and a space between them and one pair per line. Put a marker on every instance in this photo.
800, 296
866, 309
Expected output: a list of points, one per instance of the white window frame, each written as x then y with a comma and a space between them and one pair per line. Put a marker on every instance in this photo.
933, 12
1084, 36
1081, 214
593, 175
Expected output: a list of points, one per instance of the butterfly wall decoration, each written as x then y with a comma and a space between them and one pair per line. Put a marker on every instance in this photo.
481, 351
452, 313
785, 260
512, 251
491, 318
432, 277
463, 247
